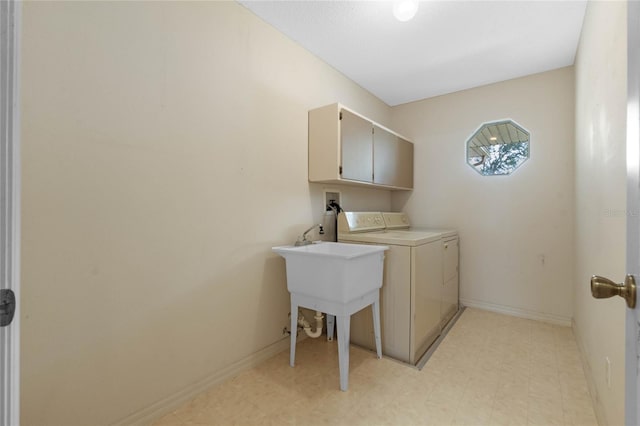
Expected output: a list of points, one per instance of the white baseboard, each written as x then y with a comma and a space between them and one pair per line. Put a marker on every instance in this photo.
155, 411
588, 373
517, 312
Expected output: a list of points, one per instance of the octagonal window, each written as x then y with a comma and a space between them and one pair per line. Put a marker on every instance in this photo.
498, 148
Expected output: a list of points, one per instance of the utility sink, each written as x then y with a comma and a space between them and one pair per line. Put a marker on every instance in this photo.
339, 279
335, 272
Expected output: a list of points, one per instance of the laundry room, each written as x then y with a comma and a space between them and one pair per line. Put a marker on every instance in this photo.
167, 147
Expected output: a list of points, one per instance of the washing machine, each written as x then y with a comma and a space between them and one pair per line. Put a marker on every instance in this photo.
419, 294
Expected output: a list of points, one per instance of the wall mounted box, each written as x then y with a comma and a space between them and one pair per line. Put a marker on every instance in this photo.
346, 147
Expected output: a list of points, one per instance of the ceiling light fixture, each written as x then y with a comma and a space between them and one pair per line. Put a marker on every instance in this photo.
405, 10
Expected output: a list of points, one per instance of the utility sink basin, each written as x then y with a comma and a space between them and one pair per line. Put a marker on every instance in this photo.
339, 279
335, 272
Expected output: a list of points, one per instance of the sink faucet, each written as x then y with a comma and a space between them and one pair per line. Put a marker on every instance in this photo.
302, 240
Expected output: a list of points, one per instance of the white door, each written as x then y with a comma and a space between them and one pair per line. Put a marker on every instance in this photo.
632, 349
603, 287
9, 214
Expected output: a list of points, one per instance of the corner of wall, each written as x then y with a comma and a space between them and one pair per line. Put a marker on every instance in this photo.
588, 373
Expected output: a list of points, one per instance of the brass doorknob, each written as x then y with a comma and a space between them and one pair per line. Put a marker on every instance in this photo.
602, 288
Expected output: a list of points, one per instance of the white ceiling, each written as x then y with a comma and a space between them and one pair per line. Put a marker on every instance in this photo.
449, 45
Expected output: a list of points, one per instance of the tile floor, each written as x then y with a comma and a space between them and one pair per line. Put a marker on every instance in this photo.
490, 369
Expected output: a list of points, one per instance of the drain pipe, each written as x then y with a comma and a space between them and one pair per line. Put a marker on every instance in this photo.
307, 327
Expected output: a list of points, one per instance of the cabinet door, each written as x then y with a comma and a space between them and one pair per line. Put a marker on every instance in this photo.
356, 141
392, 159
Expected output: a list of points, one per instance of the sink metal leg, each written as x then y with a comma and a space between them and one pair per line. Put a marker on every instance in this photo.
331, 323
376, 326
344, 323
294, 332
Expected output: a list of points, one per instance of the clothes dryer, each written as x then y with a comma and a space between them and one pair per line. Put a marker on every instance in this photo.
412, 294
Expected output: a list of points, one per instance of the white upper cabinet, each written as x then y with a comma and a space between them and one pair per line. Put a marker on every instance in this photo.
345, 147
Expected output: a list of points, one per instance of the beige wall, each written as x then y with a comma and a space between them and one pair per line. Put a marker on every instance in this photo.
165, 152
516, 231
601, 198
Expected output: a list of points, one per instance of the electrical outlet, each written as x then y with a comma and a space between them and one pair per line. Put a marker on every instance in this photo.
607, 371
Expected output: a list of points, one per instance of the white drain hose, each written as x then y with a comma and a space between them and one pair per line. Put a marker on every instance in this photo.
307, 327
